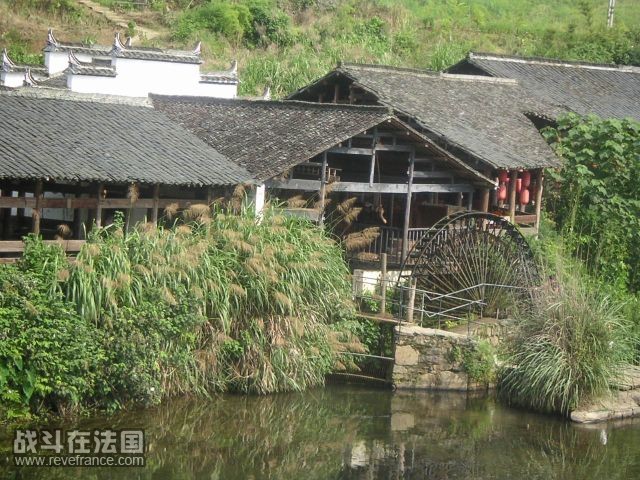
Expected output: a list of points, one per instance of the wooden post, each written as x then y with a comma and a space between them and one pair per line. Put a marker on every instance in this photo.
37, 211
323, 186
391, 208
383, 283
407, 210
458, 199
336, 93
156, 201
99, 206
512, 196
470, 201
485, 199
412, 301
539, 185
209, 194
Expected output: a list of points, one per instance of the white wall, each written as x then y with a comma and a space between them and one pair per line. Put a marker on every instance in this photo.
12, 79
139, 78
57, 62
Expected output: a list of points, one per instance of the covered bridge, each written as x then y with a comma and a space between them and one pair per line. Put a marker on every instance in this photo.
489, 123
398, 180
75, 159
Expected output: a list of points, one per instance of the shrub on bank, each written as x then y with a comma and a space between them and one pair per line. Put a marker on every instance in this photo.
570, 348
216, 302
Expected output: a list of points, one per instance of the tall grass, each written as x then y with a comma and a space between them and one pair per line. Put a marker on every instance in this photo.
268, 290
571, 348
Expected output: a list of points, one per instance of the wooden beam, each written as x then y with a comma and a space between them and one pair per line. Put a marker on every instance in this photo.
364, 187
407, 210
37, 210
156, 201
351, 151
539, 184
323, 186
395, 148
512, 195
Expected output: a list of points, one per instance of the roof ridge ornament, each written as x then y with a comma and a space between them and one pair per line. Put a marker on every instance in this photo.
51, 40
128, 42
197, 50
234, 67
117, 44
266, 94
73, 60
7, 64
29, 81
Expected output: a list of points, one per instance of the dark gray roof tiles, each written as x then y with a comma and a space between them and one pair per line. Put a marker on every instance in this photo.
93, 70
482, 116
269, 137
84, 48
176, 56
88, 139
584, 88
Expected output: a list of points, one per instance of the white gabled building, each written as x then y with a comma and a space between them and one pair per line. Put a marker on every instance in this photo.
121, 69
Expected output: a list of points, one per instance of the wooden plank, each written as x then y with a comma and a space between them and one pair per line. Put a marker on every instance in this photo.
156, 201
372, 167
485, 199
36, 213
512, 195
323, 186
17, 246
362, 187
539, 183
17, 202
99, 201
407, 210
432, 174
395, 148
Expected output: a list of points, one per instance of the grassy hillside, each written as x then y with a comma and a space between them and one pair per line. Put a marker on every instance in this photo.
286, 43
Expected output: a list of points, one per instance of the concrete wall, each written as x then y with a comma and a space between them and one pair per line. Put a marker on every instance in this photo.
425, 360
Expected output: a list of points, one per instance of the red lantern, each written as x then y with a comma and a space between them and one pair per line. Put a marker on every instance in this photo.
503, 176
518, 185
524, 196
526, 178
502, 192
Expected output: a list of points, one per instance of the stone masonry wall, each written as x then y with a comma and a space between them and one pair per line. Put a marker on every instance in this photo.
425, 360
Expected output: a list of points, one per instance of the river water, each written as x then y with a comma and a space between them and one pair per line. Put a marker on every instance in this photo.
345, 432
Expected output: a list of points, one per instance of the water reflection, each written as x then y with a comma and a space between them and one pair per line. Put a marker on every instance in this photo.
354, 433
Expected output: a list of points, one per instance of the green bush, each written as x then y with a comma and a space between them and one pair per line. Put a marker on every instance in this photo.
49, 356
594, 198
571, 347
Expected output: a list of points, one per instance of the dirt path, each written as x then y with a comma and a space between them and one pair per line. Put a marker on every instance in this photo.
121, 20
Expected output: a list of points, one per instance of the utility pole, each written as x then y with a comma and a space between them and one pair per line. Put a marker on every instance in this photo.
612, 6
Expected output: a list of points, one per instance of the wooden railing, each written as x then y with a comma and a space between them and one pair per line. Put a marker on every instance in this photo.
12, 249
389, 241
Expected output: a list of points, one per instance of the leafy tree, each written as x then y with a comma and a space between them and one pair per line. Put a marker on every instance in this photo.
595, 199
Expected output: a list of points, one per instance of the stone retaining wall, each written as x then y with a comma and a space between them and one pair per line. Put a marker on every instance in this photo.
426, 359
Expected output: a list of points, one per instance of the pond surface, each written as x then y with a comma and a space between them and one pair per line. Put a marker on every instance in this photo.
343, 432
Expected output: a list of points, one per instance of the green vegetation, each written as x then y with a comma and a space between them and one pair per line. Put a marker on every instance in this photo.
594, 197
288, 43
585, 323
571, 347
217, 302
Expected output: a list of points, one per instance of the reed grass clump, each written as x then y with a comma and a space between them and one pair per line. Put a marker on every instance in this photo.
222, 301
571, 348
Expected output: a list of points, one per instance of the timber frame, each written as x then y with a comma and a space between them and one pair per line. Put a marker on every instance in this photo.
41, 207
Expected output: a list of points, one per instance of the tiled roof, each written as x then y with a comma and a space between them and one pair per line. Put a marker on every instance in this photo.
76, 138
606, 90
138, 53
84, 48
484, 117
268, 137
